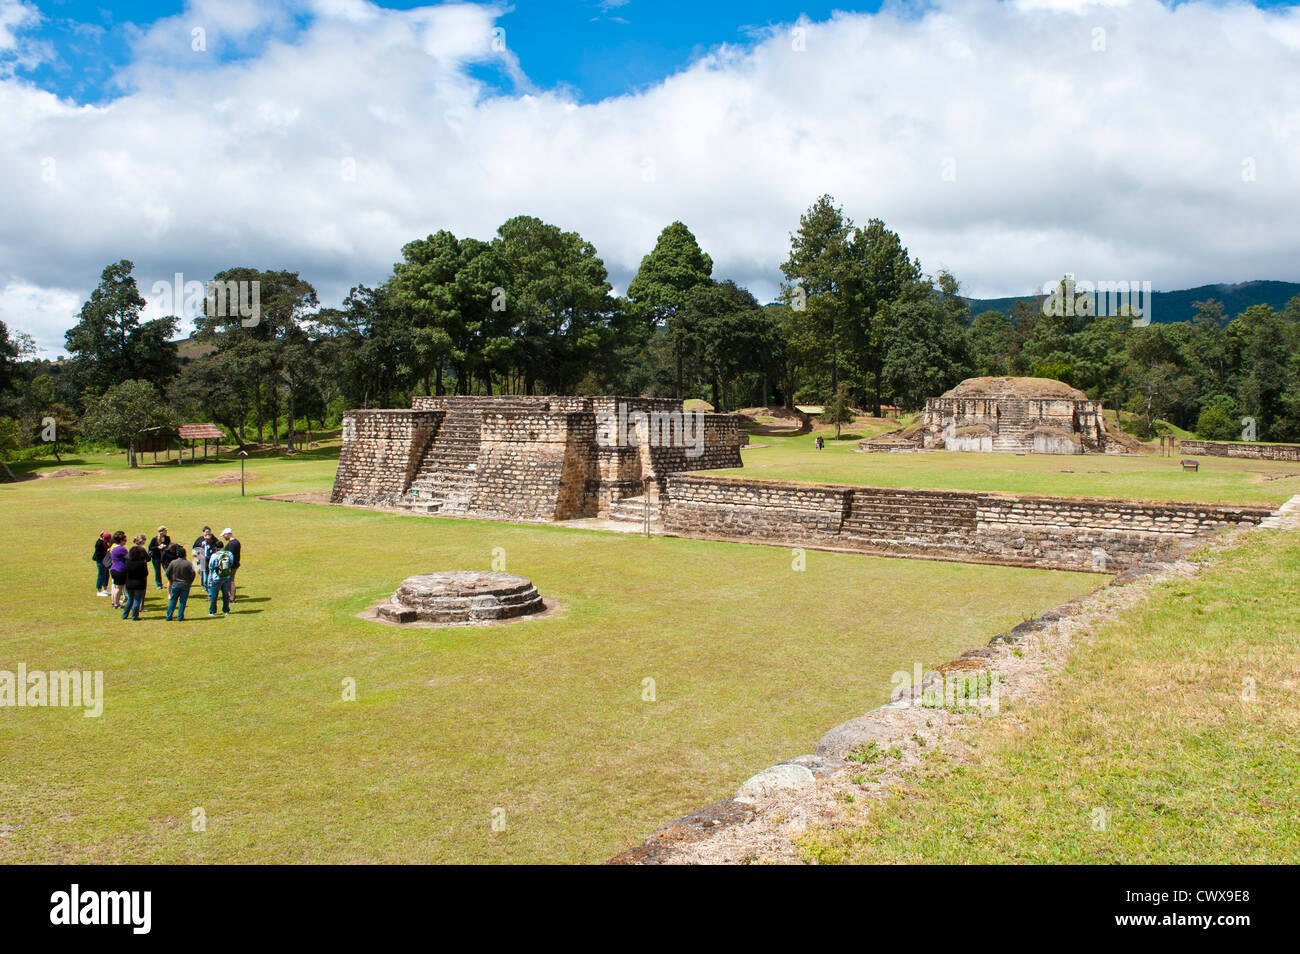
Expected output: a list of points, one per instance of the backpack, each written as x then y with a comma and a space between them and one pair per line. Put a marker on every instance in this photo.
222, 564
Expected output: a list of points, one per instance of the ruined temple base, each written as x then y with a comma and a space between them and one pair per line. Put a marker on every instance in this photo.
460, 597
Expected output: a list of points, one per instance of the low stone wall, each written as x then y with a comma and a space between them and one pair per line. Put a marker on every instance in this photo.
1250, 451
720, 449
381, 453
1093, 534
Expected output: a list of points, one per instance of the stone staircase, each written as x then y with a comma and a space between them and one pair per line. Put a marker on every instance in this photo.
447, 477
631, 510
906, 522
1285, 517
1015, 431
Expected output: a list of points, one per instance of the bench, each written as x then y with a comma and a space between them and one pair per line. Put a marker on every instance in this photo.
1192, 465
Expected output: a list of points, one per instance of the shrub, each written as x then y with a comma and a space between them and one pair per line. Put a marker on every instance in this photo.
1219, 420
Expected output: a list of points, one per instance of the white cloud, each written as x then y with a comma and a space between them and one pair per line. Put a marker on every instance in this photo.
16, 17
325, 149
46, 309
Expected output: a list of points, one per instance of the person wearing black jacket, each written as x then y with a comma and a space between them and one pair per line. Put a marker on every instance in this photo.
180, 574
206, 545
102, 544
156, 547
137, 578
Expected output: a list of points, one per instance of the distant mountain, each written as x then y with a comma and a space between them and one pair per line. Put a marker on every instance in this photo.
1177, 305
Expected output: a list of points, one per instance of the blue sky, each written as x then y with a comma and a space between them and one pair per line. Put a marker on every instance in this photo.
594, 49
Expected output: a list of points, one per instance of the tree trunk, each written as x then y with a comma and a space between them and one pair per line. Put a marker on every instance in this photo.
293, 418
257, 400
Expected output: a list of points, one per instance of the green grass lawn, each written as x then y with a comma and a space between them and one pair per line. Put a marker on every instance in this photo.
1150, 725
1220, 480
244, 718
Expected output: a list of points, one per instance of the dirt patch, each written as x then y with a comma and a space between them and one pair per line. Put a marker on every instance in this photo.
320, 497
231, 478
774, 420
69, 472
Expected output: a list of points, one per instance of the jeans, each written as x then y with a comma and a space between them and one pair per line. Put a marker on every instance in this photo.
216, 586
157, 573
180, 593
101, 578
134, 603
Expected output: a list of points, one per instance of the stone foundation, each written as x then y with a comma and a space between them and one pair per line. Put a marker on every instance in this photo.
461, 597
1249, 451
1093, 534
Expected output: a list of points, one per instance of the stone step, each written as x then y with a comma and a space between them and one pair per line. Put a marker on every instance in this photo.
628, 509
912, 544
921, 508
898, 519
896, 532
885, 527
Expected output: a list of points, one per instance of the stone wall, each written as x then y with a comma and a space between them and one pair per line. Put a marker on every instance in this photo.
1251, 451
534, 465
381, 453
1059, 533
525, 457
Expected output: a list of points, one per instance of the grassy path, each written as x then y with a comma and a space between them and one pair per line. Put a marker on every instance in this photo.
1169, 739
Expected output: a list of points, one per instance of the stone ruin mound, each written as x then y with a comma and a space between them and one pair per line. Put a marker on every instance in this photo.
461, 596
1006, 415
1015, 387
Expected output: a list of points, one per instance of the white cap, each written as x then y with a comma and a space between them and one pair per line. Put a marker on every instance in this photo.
227, 531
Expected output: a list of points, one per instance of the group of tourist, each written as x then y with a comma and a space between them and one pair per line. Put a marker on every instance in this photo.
122, 572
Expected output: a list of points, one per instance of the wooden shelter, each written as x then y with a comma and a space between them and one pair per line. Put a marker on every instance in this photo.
201, 432
156, 439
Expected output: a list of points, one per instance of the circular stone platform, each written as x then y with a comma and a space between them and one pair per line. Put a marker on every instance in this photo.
461, 596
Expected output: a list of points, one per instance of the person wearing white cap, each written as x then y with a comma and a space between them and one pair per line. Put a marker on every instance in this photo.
233, 546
